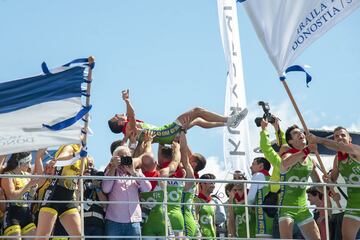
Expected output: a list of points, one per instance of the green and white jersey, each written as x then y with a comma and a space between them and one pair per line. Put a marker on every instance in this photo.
240, 220
295, 195
190, 226
350, 171
264, 223
206, 215
174, 196
164, 134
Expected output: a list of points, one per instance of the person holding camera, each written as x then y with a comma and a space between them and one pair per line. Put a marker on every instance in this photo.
93, 211
123, 219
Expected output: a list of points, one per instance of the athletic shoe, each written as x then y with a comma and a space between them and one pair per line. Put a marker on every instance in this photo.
235, 119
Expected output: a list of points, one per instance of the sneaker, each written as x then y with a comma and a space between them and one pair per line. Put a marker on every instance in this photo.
235, 119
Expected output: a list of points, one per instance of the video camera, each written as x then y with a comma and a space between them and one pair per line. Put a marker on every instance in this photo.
267, 115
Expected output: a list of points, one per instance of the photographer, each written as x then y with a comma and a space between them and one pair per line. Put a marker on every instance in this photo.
123, 219
93, 211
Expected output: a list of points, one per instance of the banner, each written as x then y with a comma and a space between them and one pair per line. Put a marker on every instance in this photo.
42, 111
287, 27
237, 148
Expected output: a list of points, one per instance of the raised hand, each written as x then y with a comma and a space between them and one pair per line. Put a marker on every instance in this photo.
125, 95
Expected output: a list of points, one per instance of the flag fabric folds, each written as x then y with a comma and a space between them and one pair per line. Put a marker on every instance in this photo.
42, 111
287, 27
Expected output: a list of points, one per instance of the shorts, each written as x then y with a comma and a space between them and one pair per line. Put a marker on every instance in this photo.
155, 223
177, 220
18, 220
300, 216
59, 193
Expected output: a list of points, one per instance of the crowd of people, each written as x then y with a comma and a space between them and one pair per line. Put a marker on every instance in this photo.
133, 201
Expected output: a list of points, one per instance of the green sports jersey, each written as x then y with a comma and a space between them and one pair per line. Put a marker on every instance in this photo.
240, 221
164, 134
155, 223
190, 226
206, 215
350, 171
174, 193
264, 223
295, 195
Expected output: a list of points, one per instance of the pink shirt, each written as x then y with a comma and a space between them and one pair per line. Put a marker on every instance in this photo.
124, 190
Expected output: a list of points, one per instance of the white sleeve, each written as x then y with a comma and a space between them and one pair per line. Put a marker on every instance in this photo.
254, 187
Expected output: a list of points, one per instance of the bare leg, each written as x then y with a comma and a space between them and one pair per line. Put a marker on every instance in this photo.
72, 224
286, 228
45, 224
310, 231
350, 227
197, 112
205, 124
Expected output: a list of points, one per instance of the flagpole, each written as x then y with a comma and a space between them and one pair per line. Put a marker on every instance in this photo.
287, 89
84, 142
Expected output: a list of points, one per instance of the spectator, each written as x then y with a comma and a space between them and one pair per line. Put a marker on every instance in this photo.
166, 134
236, 216
94, 224
346, 163
123, 219
297, 166
62, 190
260, 172
316, 198
18, 220
205, 214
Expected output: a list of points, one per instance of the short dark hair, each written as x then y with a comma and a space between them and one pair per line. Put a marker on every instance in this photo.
167, 152
228, 188
208, 176
315, 192
14, 159
264, 161
114, 145
288, 136
340, 128
114, 126
200, 162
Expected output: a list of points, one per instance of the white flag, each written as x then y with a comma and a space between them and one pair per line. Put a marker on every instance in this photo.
287, 27
237, 148
42, 111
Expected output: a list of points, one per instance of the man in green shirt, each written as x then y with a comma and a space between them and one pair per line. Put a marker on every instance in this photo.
129, 126
346, 163
204, 213
297, 166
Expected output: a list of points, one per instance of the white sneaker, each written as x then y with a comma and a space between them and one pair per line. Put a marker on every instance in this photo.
235, 119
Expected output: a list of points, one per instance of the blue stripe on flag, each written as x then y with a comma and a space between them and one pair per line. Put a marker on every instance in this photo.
22, 93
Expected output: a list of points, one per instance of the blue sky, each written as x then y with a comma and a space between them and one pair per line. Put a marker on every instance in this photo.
169, 54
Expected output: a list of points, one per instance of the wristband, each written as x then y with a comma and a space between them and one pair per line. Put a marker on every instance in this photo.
132, 146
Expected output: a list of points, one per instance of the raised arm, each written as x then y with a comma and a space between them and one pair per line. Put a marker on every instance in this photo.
39, 168
185, 161
130, 113
165, 172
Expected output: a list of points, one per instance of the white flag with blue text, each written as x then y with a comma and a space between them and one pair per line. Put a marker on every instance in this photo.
287, 27
42, 111
237, 147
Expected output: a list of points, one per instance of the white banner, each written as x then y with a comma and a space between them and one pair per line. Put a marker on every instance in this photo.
287, 27
237, 148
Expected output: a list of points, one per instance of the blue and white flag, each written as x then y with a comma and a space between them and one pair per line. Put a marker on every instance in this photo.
287, 27
44, 110
237, 147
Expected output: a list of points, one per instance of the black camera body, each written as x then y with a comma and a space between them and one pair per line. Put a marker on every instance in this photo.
267, 115
126, 160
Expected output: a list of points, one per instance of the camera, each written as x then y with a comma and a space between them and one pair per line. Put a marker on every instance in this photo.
267, 115
126, 160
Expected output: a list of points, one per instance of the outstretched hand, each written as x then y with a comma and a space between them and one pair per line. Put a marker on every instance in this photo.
125, 95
